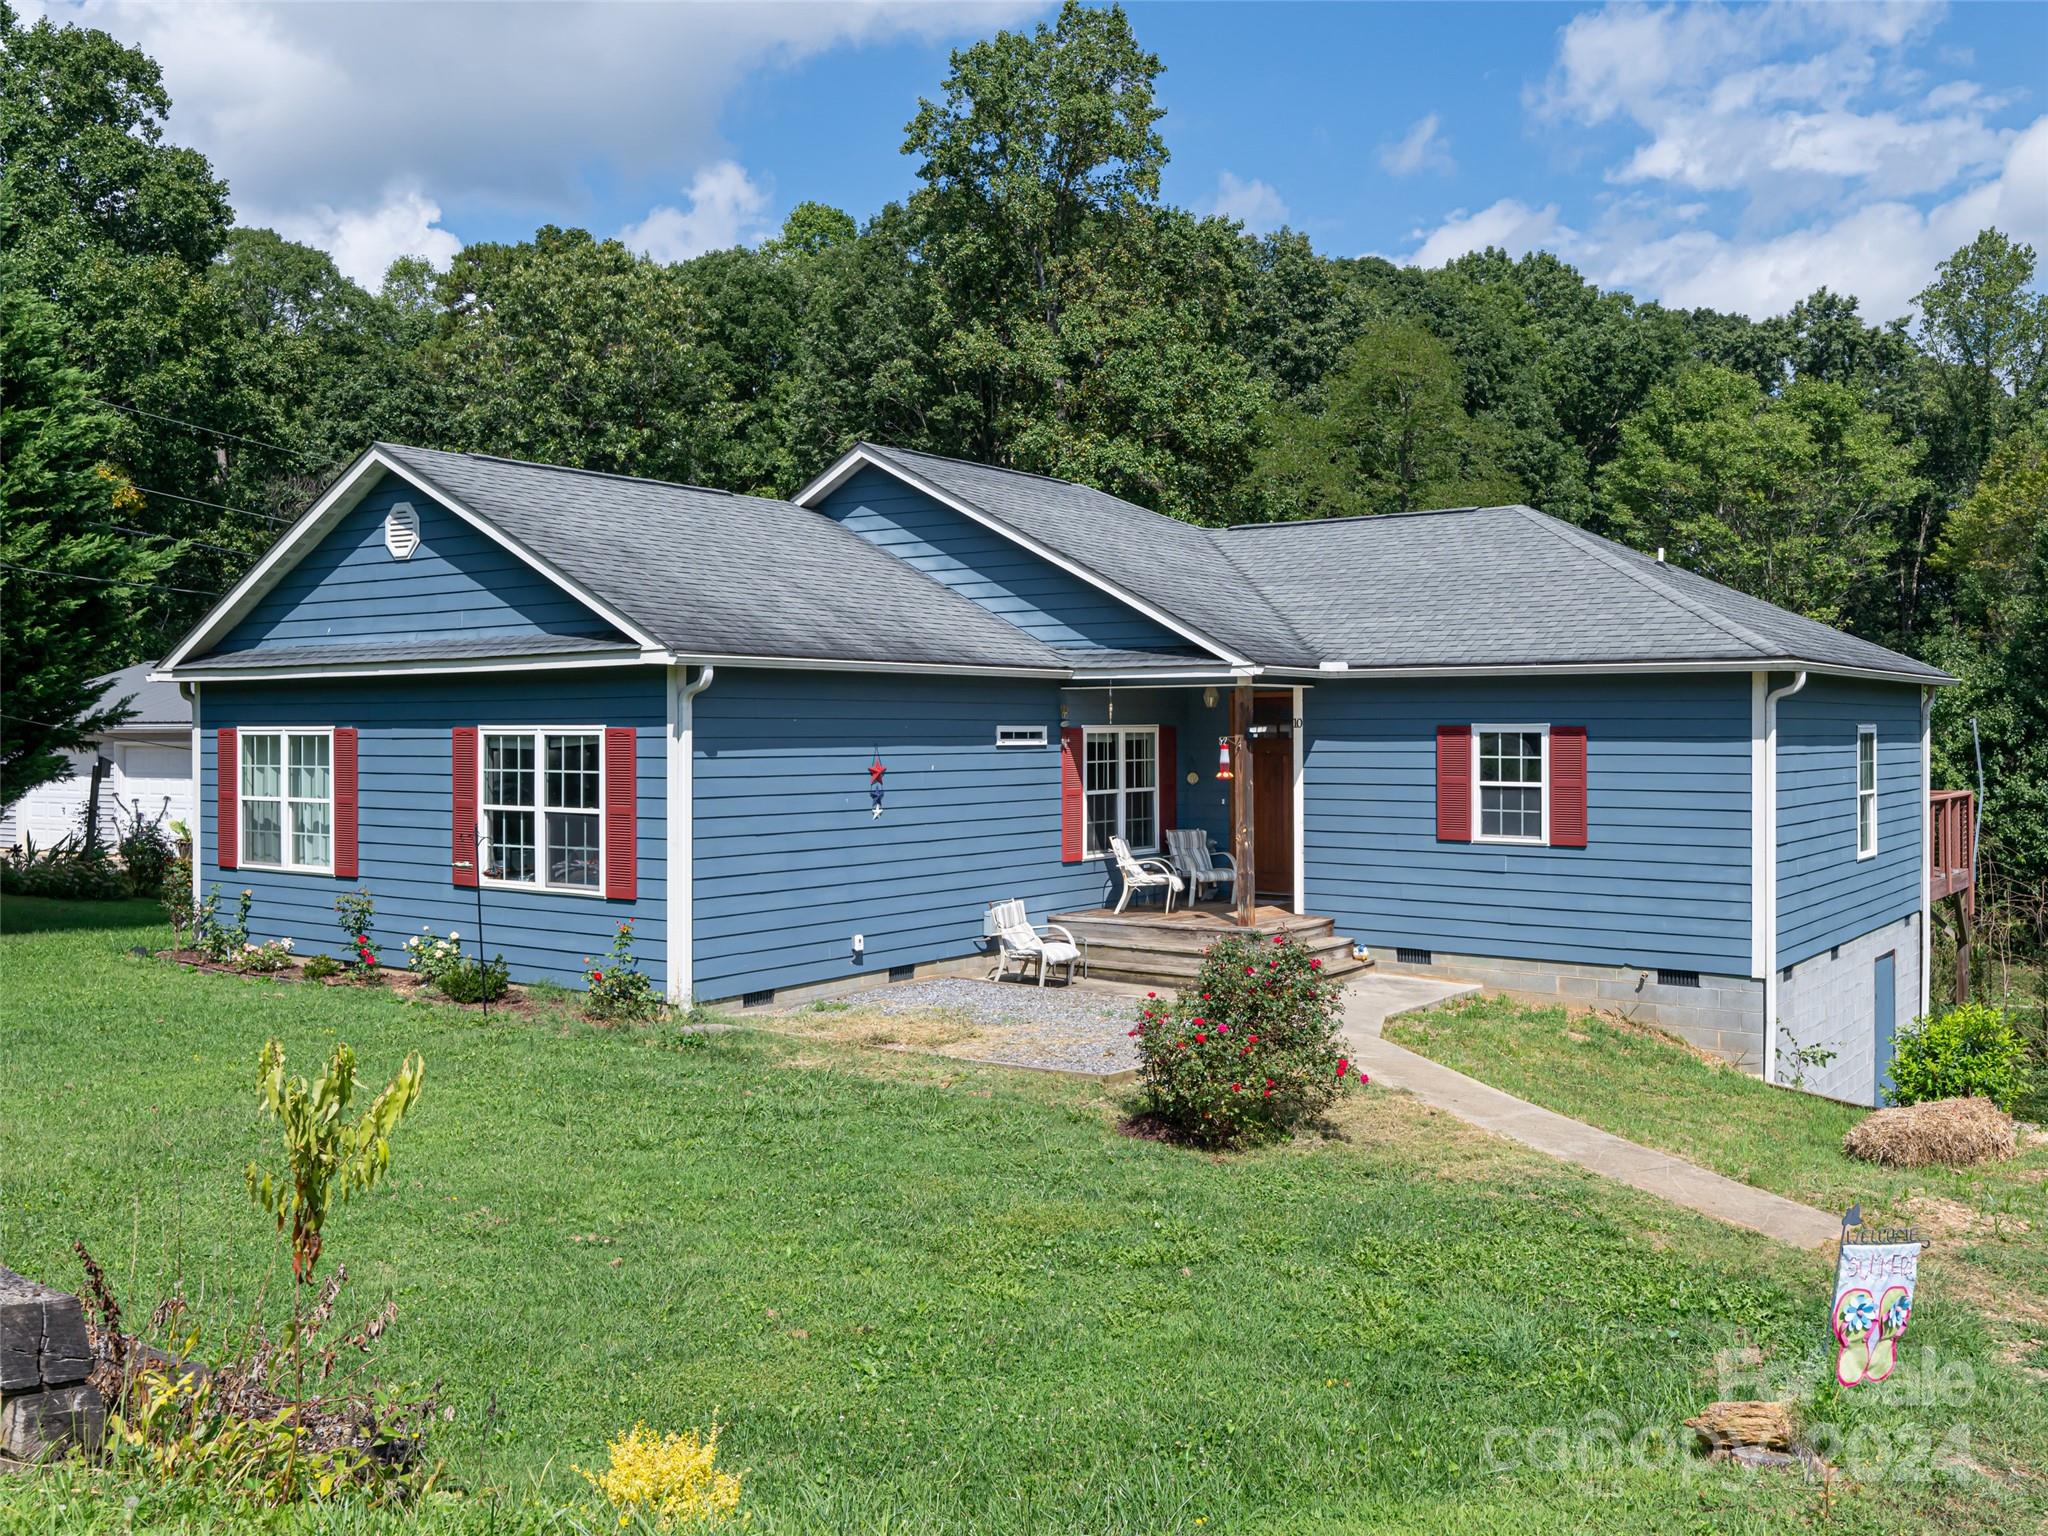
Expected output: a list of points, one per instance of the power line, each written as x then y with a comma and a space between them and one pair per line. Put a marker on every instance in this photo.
105, 581
199, 502
136, 410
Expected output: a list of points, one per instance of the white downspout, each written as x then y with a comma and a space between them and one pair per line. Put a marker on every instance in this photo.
190, 693
682, 758
1770, 848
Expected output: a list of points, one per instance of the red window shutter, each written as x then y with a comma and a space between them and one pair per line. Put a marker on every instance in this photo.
1073, 805
345, 802
1567, 786
227, 792
464, 852
1169, 780
621, 792
1454, 783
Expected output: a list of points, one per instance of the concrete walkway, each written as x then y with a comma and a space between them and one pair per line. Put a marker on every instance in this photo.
1371, 1001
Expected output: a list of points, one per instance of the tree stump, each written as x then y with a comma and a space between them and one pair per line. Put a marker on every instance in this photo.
46, 1404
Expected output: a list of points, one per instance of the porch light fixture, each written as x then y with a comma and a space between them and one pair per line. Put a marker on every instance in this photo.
1208, 698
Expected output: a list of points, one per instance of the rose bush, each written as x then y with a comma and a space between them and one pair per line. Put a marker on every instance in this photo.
1248, 1052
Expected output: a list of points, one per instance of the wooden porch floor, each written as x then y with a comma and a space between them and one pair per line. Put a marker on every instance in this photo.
1165, 949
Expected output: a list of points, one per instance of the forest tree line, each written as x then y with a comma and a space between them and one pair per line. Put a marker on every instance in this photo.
176, 387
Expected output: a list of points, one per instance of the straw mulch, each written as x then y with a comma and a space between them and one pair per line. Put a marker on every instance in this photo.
1953, 1133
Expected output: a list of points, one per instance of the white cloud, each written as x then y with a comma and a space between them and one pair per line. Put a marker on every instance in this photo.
1421, 148
1510, 224
726, 208
365, 241
310, 108
1253, 203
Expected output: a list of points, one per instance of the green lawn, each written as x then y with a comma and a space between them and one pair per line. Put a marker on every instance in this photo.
926, 1297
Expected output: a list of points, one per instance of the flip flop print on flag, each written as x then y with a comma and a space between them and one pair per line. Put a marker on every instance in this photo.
1874, 1284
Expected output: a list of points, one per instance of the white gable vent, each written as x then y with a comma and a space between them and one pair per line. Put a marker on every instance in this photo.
401, 530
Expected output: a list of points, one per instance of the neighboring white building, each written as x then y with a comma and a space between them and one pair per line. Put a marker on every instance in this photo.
149, 760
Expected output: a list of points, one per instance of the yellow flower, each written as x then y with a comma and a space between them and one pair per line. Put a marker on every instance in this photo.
672, 1479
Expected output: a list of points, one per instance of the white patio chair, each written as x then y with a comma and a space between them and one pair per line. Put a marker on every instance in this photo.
1199, 864
1024, 944
1143, 874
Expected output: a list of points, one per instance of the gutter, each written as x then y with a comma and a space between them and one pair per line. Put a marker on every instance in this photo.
681, 816
1770, 856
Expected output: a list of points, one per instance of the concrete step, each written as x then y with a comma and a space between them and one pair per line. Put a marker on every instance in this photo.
1131, 962
1190, 939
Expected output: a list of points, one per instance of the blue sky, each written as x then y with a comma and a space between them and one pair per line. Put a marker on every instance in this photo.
1697, 154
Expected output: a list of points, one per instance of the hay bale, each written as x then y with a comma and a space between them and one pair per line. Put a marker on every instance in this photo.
1953, 1133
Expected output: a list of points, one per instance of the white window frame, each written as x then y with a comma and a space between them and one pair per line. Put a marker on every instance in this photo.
1022, 736
284, 797
1479, 835
1122, 789
540, 808
1866, 733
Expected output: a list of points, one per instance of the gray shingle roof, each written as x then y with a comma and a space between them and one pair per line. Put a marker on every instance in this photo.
1170, 564
1509, 586
711, 573
435, 648
153, 703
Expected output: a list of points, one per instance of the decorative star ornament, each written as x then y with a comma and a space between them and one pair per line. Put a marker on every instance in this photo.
875, 771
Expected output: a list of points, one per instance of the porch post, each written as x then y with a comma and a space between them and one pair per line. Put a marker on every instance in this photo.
1241, 846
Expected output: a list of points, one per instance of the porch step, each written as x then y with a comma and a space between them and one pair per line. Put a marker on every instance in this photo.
1167, 950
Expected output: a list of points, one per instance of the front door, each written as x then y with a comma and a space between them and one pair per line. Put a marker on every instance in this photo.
1273, 816
1885, 1025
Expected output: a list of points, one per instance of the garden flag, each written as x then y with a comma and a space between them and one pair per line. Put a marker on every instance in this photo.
1874, 1284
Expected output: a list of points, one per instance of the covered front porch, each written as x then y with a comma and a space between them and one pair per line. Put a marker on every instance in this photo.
1147, 944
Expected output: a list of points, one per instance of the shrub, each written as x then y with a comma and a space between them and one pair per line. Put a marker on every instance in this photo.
671, 1482
320, 967
616, 988
1250, 1050
357, 912
430, 957
265, 959
63, 872
146, 851
1969, 1051
474, 981
176, 896
221, 942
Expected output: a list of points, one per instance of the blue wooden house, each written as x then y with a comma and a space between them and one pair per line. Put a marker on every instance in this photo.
805, 741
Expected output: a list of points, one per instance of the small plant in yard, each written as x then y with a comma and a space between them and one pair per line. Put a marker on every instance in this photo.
357, 912
1250, 1050
176, 896
1968, 1051
615, 986
430, 957
265, 959
320, 967
146, 849
221, 942
670, 1481
474, 981
61, 871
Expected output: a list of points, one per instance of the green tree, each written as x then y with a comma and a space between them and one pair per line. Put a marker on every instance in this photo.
70, 575
1392, 435
1787, 497
1986, 330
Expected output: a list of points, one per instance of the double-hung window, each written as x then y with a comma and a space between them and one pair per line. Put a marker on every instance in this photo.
1122, 786
1511, 782
1866, 791
543, 808
287, 799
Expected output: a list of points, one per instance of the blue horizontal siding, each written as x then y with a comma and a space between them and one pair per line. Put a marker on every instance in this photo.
1008, 580
348, 587
1826, 895
790, 864
406, 812
1664, 879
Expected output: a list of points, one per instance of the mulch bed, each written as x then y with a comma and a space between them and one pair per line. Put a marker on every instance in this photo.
402, 983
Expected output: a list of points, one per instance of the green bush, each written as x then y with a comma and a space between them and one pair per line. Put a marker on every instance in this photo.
474, 981
62, 872
147, 852
1970, 1051
320, 967
616, 988
175, 894
1250, 1050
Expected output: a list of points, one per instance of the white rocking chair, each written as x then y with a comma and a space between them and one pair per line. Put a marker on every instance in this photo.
1143, 874
1198, 864
1024, 944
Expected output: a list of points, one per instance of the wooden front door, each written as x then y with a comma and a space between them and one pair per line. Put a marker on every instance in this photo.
1273, 815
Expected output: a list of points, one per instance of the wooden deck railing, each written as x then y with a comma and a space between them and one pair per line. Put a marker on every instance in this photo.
1953, 812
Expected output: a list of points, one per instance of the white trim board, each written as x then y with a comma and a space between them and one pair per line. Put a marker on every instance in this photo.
860, 456
320, 519
1331, 670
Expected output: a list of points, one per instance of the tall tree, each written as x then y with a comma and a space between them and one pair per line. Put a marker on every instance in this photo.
1392, 435
1788, 497
70, 574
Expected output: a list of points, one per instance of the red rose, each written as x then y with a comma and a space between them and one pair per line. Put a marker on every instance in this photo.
1234, 1087
1222, 1029
1362, 1078
1342, 1066
1315, 965
1270, 964
1198, 1021
599, 976
1255, 1040
1201, 1039
1180, 1045
1249, 971
1151, 994
1244, 1050
1269, 1082
1267, 1094
1279, 938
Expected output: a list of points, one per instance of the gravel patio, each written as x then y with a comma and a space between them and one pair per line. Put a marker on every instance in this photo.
1081, 1027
